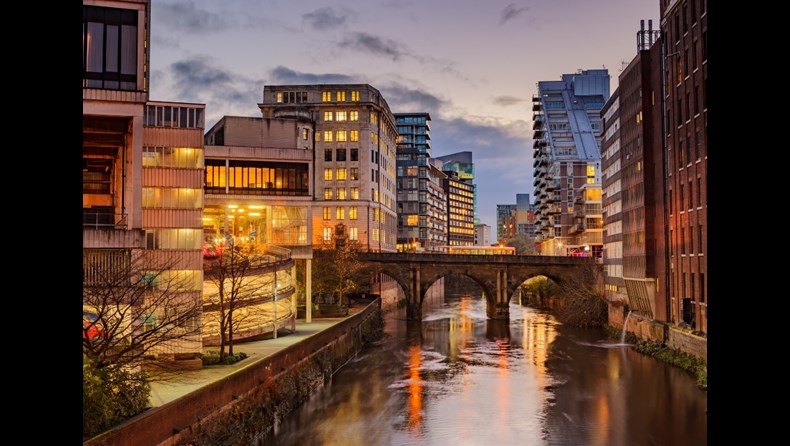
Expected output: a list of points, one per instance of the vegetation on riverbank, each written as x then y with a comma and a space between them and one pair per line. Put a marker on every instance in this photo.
212, 357
694, 366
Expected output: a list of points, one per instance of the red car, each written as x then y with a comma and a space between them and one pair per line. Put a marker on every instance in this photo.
211, 252
90, 329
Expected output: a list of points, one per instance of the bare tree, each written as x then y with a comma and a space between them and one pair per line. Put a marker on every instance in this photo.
338, 270
583, 301
524, 245
239, 287
136, 307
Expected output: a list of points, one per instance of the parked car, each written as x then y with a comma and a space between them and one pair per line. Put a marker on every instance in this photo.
90, 326
211, 252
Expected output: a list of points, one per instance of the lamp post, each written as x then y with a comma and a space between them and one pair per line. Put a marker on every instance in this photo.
275, 305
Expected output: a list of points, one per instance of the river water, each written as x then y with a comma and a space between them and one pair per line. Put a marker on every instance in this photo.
460, 379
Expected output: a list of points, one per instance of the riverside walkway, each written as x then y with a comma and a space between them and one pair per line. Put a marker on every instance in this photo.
163, 392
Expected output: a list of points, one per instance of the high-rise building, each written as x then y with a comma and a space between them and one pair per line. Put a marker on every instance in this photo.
422, 207
462, 164
482, 234
525, 216
684, 34
354, 142
460, 211
611, 195
142, 170
505, 222
567, 162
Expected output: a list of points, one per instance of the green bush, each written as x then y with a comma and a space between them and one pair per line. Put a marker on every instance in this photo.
696, 367
111, 395
211, 357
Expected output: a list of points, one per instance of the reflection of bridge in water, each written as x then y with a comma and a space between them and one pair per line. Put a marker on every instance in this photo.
499, 276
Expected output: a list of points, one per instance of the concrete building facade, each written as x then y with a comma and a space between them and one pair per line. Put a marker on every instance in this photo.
460, 211
462, 164
354, 135
567, 162
505, 222
684, 33
482, 234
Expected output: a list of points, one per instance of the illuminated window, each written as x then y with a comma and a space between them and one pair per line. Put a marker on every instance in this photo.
374, 119
590, 174
341, 136
341, 173
374, 138
352, 213
341, 96
355, 96
341, 116
305, 134
341, 193
352, 234
412, 220
172, 157
354, 170
328, 193
327, 136
328, 116
172, 198
341, 213
353, 116
279, 96
327, 213
354, 136
376, 215
318, 136
374, 194
355, 193
327, 234
375, 234
328, 174
326, 96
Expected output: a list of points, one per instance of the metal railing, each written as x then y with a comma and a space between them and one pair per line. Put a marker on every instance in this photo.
103, 220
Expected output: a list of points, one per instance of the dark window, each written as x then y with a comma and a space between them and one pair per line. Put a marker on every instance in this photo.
693, 11
327, 154
109, 48
341, 155
702, 287
354, 154
96, 175
699, 192
699, 238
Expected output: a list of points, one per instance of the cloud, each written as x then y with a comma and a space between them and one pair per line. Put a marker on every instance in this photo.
407, 100
373, 45
285, 75
511, 11
325, 18
185, 16
198, 79
506, 101
502, 154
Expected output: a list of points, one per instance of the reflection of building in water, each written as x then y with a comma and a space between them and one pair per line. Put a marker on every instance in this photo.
538, 335
415, 389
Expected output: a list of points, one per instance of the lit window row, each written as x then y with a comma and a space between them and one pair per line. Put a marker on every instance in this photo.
341, 115
329, 193
173, 157
338, 135
340, 213
172, 198
339, 96
173, 238
341, 174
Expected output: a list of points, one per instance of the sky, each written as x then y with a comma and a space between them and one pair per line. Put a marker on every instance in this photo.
472, 64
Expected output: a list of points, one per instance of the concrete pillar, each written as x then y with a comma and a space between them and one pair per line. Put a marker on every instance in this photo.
294, 298
413, 305
308, 290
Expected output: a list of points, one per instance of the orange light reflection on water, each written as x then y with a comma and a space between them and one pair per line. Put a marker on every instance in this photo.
415, 389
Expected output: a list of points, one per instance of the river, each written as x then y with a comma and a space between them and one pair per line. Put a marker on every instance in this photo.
458, 379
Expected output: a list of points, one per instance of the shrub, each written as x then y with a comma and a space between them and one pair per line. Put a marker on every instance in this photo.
211, 357
111, 395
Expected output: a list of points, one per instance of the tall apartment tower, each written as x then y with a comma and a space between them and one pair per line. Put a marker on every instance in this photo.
460, 211
462, 164
611, 194
567, 162
684, 33
142, 170
525, 216
505, 222
422, 207
354, 188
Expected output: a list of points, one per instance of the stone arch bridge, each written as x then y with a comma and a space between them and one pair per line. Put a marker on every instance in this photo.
498, 275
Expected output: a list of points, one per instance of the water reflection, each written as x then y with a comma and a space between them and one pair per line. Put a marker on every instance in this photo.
458, 378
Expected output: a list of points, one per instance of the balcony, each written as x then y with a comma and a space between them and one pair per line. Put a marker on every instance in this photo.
553, 184
537, 121
536, 104
541, 171
554, 209
539, 132
576, 228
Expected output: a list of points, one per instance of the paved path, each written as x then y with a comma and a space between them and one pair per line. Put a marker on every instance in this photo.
165, 391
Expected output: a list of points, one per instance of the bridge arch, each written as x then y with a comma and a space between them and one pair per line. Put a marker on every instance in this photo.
497, 275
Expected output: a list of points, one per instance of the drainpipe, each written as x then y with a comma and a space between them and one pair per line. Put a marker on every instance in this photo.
665, 167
